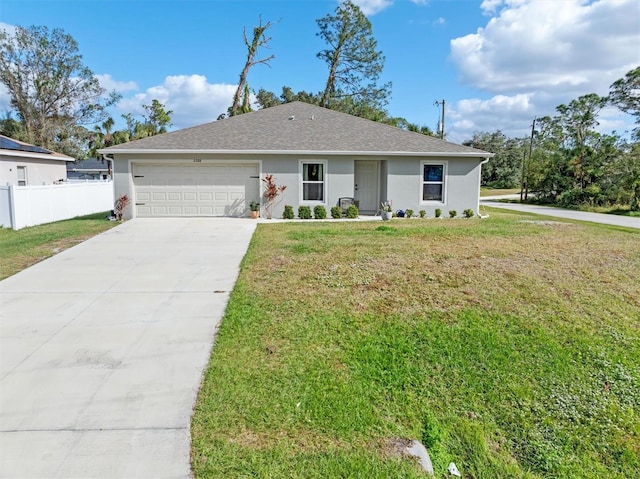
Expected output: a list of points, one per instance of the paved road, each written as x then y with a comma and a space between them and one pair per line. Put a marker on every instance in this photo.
615, 220
103, 346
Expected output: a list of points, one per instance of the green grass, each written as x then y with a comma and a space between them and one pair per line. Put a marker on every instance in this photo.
25, 247
622, 210
486, 191
507, 346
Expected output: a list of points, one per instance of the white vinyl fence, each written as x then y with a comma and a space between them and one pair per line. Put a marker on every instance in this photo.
22, 206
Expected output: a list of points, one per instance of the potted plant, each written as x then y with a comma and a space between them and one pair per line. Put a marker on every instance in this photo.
386, 210
254, 206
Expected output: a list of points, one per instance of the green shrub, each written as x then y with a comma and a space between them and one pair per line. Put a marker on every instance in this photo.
352, 212
422, 213
468, 213
304, 212
336, 212
408, 213
438, 213
319, 212
288, 212
453, 213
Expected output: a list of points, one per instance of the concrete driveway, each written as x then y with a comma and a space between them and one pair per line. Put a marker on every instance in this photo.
615, 220
103, 348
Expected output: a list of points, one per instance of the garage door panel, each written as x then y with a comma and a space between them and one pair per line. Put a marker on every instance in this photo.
147, 169
207, 211
190, 196
159, 196
174, 210
195, 190
159, 210
143, 210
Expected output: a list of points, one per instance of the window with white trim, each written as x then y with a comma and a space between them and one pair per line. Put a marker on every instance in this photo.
22, 175
433, 181
313, 181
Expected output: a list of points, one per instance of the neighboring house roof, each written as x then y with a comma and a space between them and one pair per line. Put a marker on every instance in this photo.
296, 127
15, 148
90, 164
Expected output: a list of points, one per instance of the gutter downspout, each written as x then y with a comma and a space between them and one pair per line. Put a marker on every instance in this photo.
479, 186
110, 161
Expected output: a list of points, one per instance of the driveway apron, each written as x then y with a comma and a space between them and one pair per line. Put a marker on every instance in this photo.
103, 346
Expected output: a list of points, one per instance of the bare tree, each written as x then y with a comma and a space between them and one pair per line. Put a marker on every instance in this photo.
259, 41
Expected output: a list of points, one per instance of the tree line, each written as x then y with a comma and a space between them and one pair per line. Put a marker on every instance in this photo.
354, 66
59, 103
566, 161
56, 98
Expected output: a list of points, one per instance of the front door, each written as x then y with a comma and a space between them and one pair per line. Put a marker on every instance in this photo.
366, 185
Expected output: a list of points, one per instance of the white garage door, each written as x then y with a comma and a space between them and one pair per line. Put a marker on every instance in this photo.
203, 189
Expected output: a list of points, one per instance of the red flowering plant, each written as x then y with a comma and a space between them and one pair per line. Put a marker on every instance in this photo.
271, 192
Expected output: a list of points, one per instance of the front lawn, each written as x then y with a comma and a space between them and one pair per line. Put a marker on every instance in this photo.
622, 210
509, 346
486, 191
23, 248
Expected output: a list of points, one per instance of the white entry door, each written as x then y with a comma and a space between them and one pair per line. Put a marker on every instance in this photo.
366, 185
207, 189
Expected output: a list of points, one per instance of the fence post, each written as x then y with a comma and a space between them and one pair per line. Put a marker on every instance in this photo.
12, 208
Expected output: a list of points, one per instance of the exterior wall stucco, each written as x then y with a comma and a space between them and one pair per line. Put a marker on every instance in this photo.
401, 178
287, 171
39, 172
462, 182
285, 168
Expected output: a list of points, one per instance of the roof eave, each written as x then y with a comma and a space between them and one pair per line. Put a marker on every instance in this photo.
36, 156
459, 154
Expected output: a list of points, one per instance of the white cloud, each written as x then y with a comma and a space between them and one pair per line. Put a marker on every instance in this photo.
420, 2
491, 7
549, 51
371, 7
5, 98
193, 100
553, 45
5, 102
107, 82
10, 29
510, 114
439, 21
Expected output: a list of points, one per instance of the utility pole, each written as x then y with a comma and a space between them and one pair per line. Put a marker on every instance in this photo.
524, 159
441, 122
524, 185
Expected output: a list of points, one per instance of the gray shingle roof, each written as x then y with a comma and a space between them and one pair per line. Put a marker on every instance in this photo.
299, 127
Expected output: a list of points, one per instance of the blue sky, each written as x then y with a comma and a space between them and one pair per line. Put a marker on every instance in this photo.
497, 63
